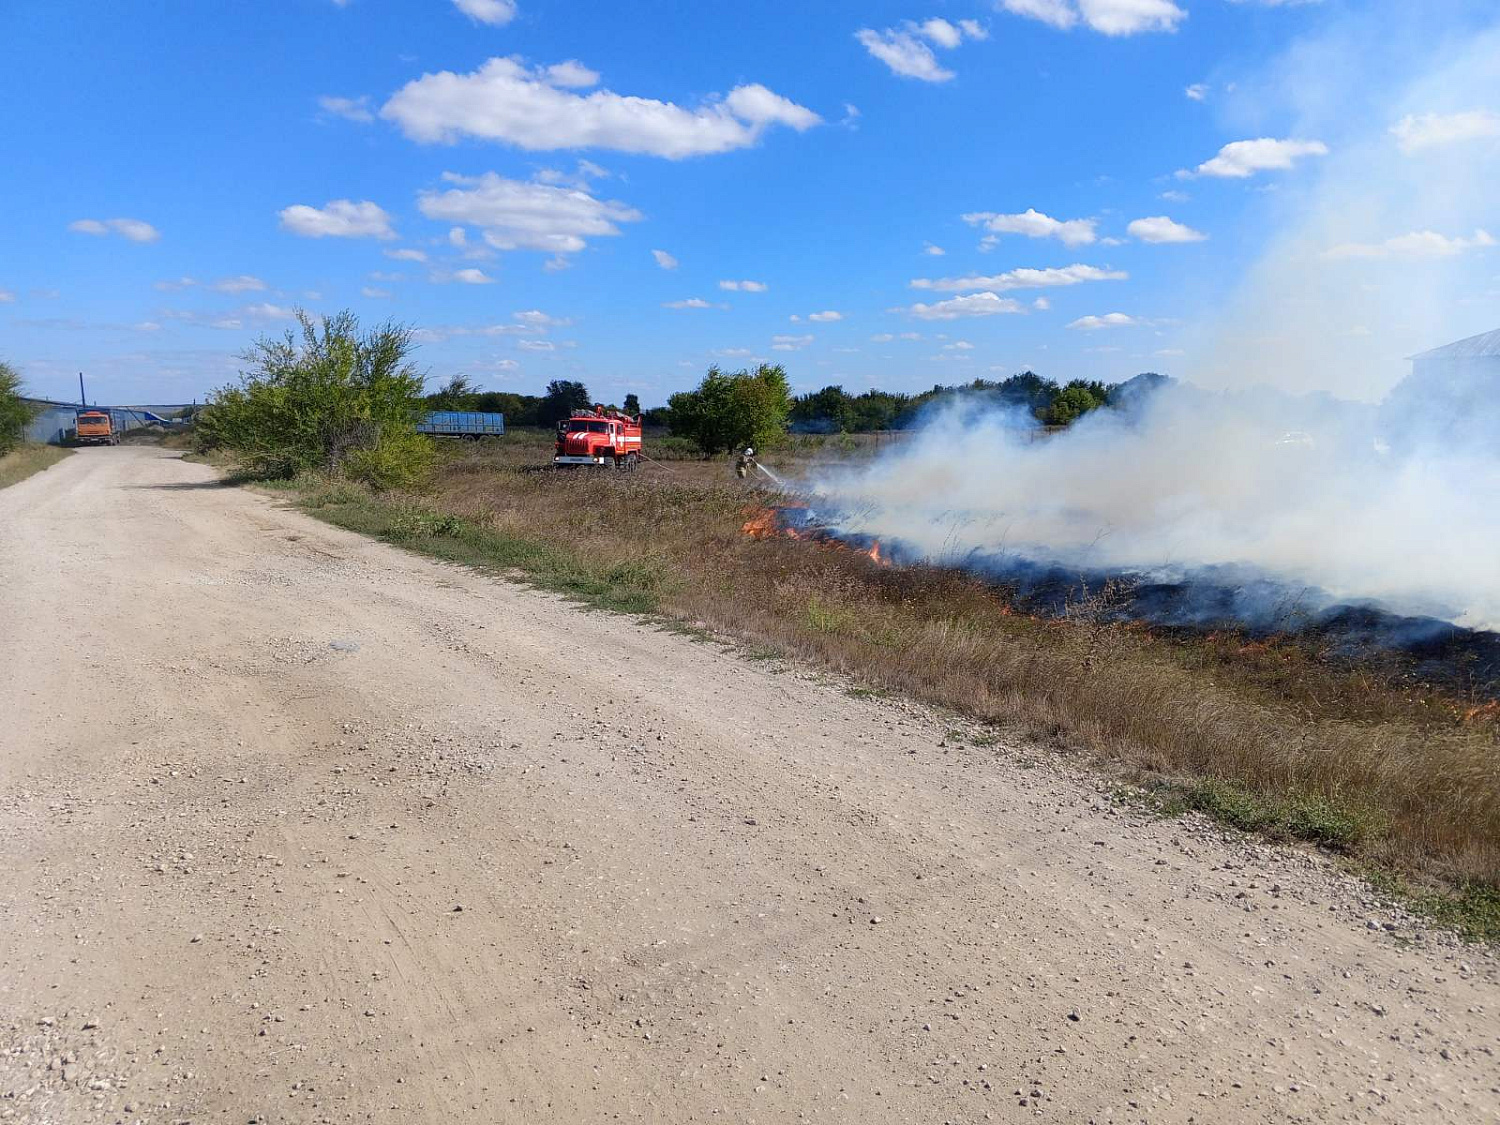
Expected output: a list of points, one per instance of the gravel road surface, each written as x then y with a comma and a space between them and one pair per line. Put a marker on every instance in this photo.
300, 828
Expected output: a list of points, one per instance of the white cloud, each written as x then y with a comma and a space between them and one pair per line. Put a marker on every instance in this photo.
1033, 224
516, 215
1417, 244
136, 230
572, 74
973, 304
496, 13
933, 250
744, 286
373, 293
789, 343
6, 297
1415, 132
352, 109
664, 260
340, 218
472, 276
958, 346
406, 254
1159, 228
825, 317
175, 285
537, 345
505, 101
1197, 91
147, 326
1173, 196
1108, 320
1041, 304
1240, 159
1108, 17
1023, 278
242, 284
904, 51
691, 303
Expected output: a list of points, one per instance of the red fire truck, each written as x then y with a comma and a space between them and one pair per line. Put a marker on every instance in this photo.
599, 437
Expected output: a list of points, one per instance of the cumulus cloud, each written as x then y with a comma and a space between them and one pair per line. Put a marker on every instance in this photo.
519, 215
135, 230
905, 50
664, 260
933, 250
374, 293
692, 303
1023, 278
496, 13
242, 284
789, 343
1198, 92
1108, 17
538, 110
1415, 132
1108, 320
1241, 159
958, 346
972, 304
472, 276
1417, 244
825, 317
351, 109
744, 286
1159, 228
1033, 224
340, 218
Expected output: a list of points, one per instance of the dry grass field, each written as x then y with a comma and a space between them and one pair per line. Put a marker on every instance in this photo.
1269, 735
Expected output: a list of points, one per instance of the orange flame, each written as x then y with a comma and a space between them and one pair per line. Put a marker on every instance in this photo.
1484, 713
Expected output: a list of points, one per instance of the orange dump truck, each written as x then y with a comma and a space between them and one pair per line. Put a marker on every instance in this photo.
599, 437
96, 427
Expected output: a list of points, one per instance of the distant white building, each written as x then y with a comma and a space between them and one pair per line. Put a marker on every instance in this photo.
1452, 397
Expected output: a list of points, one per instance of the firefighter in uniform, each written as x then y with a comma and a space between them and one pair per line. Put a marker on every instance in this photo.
745, 463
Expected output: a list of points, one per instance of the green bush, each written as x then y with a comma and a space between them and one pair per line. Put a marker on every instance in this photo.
731, 411
335, 401
14, 413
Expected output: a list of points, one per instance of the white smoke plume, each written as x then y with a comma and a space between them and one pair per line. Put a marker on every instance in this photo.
1304, 491
1272, 455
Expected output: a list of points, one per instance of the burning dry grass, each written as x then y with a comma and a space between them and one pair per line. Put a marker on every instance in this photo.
1267, 734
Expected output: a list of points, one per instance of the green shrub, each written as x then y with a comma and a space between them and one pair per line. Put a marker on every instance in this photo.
14, 413
337, 402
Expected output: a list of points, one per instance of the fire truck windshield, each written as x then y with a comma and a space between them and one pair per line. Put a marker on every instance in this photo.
576, 427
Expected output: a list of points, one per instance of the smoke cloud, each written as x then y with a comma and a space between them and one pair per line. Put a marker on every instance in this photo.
1333, 500
1274, 461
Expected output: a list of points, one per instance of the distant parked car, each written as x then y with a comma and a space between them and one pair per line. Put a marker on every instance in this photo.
469, 424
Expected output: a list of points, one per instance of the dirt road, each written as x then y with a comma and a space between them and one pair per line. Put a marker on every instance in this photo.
299, 828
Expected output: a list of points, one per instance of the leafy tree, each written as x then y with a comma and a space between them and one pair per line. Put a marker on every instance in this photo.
632, 404
459, 393
828, 411
731, 411
1075, 400
335, 400
563, 397
14, 412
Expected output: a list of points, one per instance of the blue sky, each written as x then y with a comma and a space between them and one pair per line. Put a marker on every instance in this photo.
1231, 192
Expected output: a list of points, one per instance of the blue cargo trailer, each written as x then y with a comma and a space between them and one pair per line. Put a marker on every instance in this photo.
471, 424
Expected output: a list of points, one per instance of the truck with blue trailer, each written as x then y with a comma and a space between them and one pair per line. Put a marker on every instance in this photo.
468, 424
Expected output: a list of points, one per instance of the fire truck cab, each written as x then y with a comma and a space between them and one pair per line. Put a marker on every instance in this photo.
599, 437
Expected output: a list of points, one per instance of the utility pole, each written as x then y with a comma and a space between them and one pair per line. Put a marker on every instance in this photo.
82, 398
